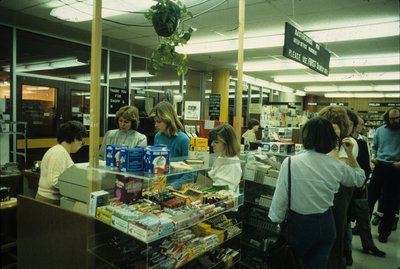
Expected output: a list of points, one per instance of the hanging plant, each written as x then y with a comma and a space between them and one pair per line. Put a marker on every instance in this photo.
167, 19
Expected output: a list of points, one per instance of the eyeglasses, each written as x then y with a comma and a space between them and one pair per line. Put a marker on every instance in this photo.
394, 118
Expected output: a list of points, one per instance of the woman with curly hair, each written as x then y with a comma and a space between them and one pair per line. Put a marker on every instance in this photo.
127, 119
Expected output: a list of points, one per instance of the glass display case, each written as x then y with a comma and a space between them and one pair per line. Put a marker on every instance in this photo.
151, 225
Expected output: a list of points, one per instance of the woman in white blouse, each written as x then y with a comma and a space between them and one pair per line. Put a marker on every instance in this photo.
316, 177
226, 169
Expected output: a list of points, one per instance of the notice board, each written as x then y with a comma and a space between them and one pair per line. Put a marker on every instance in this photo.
300, 48
214, 109
117, 98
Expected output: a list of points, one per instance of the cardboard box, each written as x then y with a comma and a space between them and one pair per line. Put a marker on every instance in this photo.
97, 199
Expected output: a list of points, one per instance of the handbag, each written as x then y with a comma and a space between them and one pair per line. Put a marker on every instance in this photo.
280, 255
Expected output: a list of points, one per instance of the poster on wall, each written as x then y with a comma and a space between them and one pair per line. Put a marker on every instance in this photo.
117, 98
214, 109
192, 110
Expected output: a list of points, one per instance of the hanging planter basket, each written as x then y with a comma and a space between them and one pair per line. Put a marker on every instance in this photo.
166, 20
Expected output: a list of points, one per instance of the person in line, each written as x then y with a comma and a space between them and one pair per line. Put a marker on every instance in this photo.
127, 119
338, 117
170, 132
57, 159
385, 177
358, 209
316, 177
226, 169
250, 134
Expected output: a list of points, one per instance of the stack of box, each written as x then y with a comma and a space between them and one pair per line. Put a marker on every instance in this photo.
198, 150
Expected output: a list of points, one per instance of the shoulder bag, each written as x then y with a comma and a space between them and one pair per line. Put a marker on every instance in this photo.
280, 255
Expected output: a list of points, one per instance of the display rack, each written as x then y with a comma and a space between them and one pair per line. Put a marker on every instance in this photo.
74, 186
258, 230
17, 128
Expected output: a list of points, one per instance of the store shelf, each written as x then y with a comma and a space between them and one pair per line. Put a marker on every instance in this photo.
258, 205
178, 230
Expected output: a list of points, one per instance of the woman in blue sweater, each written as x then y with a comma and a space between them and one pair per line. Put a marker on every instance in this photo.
169, 129
170, 133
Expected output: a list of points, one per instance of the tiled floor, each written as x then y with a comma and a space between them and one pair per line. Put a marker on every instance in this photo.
366, 261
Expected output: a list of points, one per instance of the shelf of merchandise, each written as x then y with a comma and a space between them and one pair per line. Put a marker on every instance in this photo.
107, 254
257, 227
101, 250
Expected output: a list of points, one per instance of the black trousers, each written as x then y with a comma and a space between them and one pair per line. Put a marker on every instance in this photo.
385, 178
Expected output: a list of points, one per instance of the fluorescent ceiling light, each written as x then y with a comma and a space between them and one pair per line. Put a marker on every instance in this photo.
119, 75
47, 65
36, 89
375, 88
339, 77
360, 60
156, 83
361, 95
265, 84
321, 36
76, 11
300, 93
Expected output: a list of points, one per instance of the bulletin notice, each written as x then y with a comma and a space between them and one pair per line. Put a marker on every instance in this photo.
301, 48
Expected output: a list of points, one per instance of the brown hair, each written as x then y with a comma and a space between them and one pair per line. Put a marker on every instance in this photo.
130, 113
337, 115
166, 113
224, 133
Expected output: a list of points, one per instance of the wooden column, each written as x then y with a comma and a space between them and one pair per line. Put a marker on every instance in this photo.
240, 71
95, 72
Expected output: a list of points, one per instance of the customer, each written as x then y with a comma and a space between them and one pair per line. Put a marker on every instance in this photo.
127, 119
339, 118
57, 159
250, 134
386, 174
358, 208
226, 169
316, 177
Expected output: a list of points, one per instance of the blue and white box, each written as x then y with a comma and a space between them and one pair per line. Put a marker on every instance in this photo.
131, 159
112, 154
157, 159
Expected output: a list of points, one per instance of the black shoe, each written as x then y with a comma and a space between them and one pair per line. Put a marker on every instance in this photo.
394, 227
376, 220
355, 231
374, 251
349, 258
382, 238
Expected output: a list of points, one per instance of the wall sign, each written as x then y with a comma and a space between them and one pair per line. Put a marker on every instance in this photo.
117, 98
385, 104
214, 109
300, 48
283, 103
326, 104
192, 110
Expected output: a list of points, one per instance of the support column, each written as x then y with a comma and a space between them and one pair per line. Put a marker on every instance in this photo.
220, 85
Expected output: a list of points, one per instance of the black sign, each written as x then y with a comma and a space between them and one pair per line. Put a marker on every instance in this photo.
326, 104
304, 50
283, 103
385, 104
214, 109
371, 112
117, 98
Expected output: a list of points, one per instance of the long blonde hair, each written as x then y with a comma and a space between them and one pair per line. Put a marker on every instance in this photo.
166, 113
